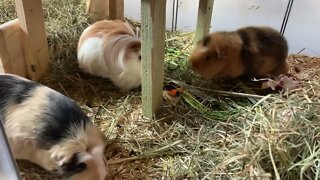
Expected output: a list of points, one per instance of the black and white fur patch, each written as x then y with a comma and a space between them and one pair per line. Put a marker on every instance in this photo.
62, 115
14, 90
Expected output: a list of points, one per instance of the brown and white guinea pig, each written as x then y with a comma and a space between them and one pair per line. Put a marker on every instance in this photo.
111, 49
50, 130
247, 52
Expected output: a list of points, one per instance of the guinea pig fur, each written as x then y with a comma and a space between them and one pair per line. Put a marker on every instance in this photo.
111, 49
248, 52
50, 130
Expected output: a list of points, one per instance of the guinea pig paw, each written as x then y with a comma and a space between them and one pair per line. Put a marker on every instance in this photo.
60, 158
269, 84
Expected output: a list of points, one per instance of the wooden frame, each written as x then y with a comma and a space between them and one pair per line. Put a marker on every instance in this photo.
23, 42
153, 31
203, 19
116, 9
152, 53
11, 49
105, 9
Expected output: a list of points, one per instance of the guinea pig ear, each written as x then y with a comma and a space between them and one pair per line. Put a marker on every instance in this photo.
204, 41
72, 166
135, 45
219, 53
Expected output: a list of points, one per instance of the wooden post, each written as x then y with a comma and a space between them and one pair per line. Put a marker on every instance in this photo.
204, 19
1, 67
116, 9
153, 15
11, 49
35, 45
97, 9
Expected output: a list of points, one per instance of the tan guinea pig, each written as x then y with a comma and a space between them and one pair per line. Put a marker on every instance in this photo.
50, 130
111, 49
250, 51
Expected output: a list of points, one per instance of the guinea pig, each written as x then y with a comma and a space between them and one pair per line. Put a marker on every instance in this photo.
50, 130
259, 52
111, 49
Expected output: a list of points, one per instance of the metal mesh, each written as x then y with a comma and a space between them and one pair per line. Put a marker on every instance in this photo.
8, 167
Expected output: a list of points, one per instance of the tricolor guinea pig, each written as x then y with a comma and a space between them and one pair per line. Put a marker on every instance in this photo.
111, 49
249, 52
50, 130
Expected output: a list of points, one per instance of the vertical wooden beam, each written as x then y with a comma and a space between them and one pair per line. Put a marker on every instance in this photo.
204, 19
97, 9
1, 67
153, 15
4, 52
35, 45
116, 9
11, 50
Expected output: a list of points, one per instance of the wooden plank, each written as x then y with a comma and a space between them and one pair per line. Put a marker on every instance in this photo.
153, 35
4, 54
11, 51
204, 19
116, 9
97, 9
1, 67
35, 45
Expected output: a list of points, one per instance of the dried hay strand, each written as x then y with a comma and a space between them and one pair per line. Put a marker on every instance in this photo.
271, 136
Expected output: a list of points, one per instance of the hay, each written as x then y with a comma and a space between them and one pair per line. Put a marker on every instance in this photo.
272, 138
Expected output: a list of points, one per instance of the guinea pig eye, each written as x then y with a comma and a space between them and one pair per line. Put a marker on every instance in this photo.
72, 166
88, 149
207, 58
81, 167
140, 57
